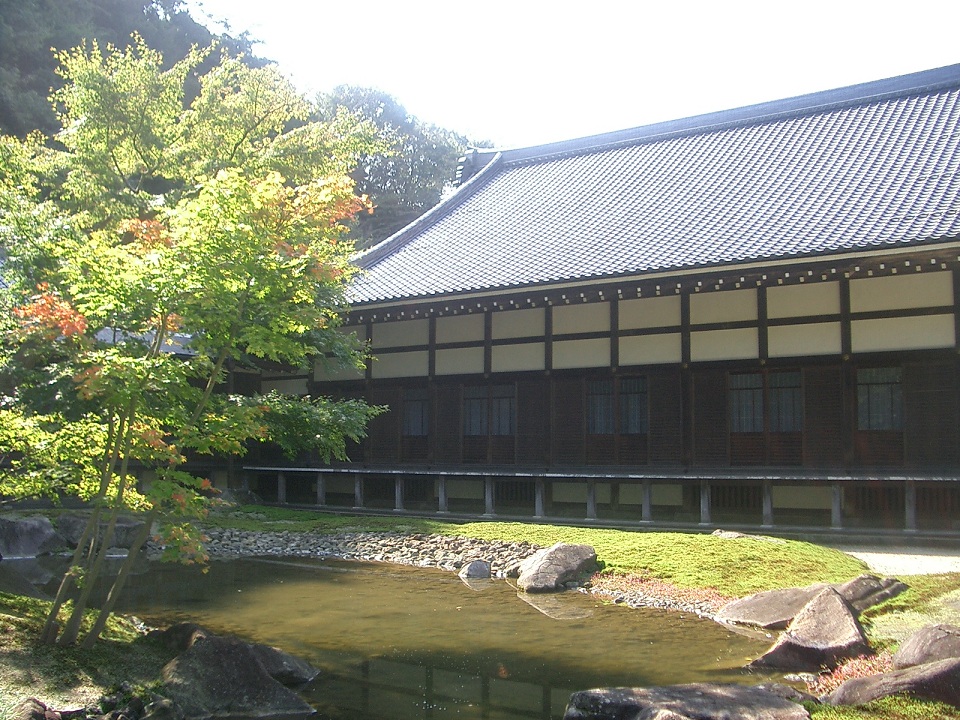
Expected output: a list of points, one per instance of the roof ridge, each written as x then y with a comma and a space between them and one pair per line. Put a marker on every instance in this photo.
922, 82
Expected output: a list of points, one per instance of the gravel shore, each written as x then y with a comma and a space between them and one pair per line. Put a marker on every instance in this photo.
451, 553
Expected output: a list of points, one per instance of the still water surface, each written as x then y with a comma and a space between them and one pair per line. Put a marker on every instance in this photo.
399, 642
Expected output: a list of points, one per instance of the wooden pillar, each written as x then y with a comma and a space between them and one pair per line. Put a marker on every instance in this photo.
488, 496
321, 489
704, 502
443, 503
767, 503
646, 510
836, 506
398, 493
281, 488
538, 494
358, 490
910, 506
592, 499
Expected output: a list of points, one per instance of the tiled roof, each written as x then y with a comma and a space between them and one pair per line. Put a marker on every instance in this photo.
871, 166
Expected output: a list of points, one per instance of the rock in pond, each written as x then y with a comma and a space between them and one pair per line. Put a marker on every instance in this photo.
219, 677
554, 567
822, 634
695, 701
26, 537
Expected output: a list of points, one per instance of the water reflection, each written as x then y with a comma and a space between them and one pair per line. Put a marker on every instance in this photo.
398, 642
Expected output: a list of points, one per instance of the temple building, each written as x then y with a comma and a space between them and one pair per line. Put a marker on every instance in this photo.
745, 317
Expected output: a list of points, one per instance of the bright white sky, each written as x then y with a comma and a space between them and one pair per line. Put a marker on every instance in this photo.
524, 72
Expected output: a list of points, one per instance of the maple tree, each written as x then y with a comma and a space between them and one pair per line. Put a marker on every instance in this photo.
156, 245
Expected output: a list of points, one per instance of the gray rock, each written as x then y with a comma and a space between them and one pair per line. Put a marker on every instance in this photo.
866, 591
221, 677
283, 667
932, 643
162, 709
475, 570
937, 681
22, 537
774, 609
696, 701
820, 636
554, 567
29, 709
72, 525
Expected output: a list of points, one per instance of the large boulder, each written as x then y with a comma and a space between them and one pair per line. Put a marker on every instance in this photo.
937, 681
281, 666
774, 609
696, 701
932, 643
822, 634
23, 537
222, 677
554, 567
72, 525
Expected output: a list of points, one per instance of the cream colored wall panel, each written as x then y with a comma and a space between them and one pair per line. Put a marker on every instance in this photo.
463, 489
517, 358
667, 494
801, 498
901, 291
402, 364
290, 386
650, 349
807, 339
812, 300
912, 333
339, 484
360, 331
581, 353
519, 323
461, 328
401, 334
459, 361
585, 317
724, 306
739, 344
649, 312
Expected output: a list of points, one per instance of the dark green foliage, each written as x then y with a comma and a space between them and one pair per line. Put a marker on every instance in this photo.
29, 31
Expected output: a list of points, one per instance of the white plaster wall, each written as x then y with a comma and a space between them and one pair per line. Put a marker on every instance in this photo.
911, 333
650, 349
807, 339
518, 323
812, 300
916, 290
517, 358
461, 328
459, 361
724, 306
581, 353
402, 364
738, 344
401, 334
585, 317
801, 498
290, 386
649, 312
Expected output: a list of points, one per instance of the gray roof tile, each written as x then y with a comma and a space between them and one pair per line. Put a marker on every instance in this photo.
872, 166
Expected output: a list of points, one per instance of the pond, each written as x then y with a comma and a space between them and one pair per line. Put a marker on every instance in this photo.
400, 642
